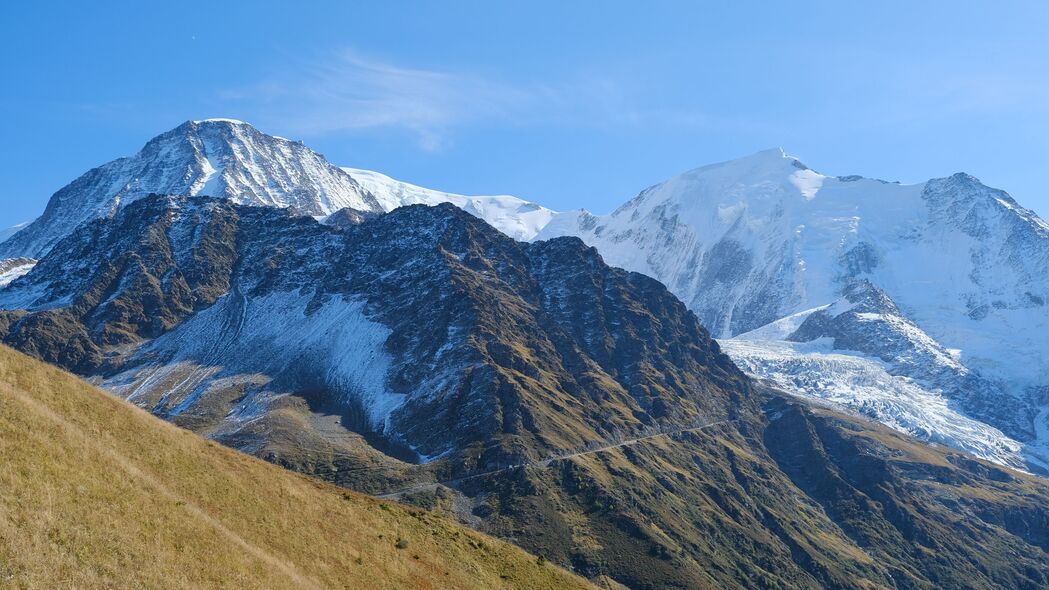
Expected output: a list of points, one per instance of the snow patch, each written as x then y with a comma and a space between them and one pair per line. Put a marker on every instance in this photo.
784, 327
807, 182
273, 342
12, 269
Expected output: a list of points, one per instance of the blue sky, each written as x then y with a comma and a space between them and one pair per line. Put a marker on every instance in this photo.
572, 104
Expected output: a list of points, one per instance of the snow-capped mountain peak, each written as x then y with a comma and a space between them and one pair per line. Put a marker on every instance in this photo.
231, 159
217, 157
761, 178
220, 120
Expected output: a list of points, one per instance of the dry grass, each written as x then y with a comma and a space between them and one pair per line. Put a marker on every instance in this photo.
95, 493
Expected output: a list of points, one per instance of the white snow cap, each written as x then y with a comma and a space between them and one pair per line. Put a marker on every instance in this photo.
221, 120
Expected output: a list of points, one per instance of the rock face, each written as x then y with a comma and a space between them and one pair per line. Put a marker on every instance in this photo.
764, 239
529, 389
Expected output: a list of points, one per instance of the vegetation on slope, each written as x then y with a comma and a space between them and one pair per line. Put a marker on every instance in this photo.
97, 493
800, 497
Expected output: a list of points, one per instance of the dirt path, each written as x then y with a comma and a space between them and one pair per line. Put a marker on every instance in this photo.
543, 463
626, 443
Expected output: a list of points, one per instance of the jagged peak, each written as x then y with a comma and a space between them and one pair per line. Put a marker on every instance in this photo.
220, 126
191, 133
966, 187
958, 179
222, 129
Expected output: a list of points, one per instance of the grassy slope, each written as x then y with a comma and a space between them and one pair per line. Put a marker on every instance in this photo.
97, 493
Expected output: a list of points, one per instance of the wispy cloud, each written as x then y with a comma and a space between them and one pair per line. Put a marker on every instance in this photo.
349, 91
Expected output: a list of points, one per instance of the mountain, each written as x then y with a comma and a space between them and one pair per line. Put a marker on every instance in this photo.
216, 157
528, 389
99, 494
517, 218
233, 160
960, 271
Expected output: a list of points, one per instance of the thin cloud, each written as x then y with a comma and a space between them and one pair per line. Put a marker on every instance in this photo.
347, 91
352, 92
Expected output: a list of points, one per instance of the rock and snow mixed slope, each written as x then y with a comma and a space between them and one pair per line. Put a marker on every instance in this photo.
962, 269
819, 372
863, 353
12, 268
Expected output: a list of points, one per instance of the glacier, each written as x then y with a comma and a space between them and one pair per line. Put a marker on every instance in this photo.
856, 382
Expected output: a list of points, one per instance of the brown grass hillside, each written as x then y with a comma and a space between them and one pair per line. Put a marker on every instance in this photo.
95, 493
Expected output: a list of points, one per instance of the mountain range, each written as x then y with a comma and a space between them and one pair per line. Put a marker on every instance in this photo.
753, 246
400, 341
